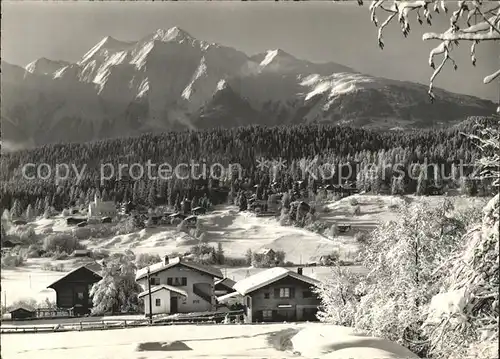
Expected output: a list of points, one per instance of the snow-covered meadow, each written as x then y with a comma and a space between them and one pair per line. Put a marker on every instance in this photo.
306, 340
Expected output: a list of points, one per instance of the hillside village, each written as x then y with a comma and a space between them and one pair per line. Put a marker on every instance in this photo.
187, 222
189, 273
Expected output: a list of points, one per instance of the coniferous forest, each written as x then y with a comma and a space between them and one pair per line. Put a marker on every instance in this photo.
381, 162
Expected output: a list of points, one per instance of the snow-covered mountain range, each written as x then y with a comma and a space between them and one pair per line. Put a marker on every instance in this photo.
170, 80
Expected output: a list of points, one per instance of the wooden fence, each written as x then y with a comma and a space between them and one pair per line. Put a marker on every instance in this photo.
209, 318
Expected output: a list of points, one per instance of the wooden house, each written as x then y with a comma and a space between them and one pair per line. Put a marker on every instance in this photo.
191, 221
224, 286
277, 294
72, 290
199, 211
21, 313
178, 215
81, 253
7, 244
19, 222
75, 220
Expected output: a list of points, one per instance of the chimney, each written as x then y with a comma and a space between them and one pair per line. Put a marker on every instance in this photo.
166, 259
299, 270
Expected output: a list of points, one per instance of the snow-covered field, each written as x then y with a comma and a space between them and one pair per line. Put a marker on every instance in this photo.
313, 340
237, 231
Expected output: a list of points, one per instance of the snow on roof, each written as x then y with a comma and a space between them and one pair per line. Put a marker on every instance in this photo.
176, 214
161, 266
225, 297
228, 282
266, 250
73, 271
267, 277
163, 287
110, 206
15, 309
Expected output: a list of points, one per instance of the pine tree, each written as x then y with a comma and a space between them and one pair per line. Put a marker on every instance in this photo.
152, 197
135, 193
16, 210
117, 289
397, 186
30, 214
422, 183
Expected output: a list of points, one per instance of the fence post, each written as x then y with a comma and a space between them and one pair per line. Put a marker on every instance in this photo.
125, 323
81, 326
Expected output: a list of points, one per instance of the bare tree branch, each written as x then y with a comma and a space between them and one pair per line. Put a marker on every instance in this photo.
486, 29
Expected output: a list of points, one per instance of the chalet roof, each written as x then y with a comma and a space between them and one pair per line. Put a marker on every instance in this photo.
161, 266
163, 287
268, 276
225, 297
266, 251
176, 214
20, 308
226, 282
108, 205
199, 208
83, 267
9, 243
190, 217
81, 251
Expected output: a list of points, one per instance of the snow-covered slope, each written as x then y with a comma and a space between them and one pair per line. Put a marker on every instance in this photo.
44, 66
171, 80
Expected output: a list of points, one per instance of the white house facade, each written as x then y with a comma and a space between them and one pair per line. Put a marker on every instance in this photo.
161, 298
192, 283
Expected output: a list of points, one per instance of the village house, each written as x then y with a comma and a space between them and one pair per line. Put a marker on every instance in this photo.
224, 286
72, 290
199, 211
178, 286
100, 208
276, 294
21, 313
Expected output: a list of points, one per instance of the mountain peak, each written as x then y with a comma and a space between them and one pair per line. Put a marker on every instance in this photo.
173, 34
45, 66
276, 56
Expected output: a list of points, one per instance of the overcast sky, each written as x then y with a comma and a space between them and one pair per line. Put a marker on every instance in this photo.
317, 31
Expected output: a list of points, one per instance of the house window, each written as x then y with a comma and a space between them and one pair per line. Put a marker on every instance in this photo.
267, 314
284, 292
154, 281
307, 294
177, 282
196, 301
266, 295
80, 295
157, 302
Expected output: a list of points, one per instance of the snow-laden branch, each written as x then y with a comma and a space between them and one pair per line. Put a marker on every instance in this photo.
486, 27
491, 77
